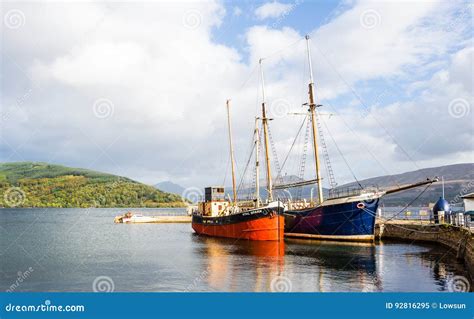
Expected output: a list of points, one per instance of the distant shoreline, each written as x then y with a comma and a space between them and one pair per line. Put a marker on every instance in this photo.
177, 206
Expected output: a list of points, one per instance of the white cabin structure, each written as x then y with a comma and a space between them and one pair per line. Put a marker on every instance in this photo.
468, 200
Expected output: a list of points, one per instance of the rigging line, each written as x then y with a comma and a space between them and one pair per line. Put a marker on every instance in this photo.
242, 177
294, 142
302, 165
305, 154
366, 148
410, 203
327, 160
340, 153
226, 171
365, 106
251, 150
252, 183
274, 153
282, 49
298, 148
248, 79
245, 169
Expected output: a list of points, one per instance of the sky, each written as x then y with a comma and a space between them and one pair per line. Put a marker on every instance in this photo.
138, 88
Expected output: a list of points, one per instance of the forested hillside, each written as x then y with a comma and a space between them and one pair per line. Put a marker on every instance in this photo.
29, 184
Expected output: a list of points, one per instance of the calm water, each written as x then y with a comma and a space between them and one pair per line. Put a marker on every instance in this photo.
69, 249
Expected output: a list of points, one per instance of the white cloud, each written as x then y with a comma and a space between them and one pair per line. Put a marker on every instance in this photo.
162, 85
406, 43
273, 9
168, 81
421, 132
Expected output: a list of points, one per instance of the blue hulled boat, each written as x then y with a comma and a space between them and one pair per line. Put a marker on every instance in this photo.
348, 216
351, 218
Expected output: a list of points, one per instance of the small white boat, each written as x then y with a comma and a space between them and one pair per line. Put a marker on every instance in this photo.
130, 217
133, 218
138, 218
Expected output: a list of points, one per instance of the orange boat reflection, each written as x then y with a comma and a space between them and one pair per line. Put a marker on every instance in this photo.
224, 262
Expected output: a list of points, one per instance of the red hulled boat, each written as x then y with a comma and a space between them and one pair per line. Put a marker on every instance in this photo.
217, 217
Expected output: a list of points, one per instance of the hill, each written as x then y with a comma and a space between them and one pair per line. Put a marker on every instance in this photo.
170, 187
459, 180
33, 184
457, 172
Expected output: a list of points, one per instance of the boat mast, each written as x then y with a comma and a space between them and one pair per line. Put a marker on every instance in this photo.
257, 164
234, 190
312, 109
266, 139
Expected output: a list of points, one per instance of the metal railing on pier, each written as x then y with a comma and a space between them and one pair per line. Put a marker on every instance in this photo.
425, 215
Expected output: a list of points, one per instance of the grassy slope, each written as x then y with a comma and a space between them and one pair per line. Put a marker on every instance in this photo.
48, 185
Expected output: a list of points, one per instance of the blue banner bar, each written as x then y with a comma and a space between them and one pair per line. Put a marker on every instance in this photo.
237, 305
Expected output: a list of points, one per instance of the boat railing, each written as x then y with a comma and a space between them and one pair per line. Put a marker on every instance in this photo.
351, 191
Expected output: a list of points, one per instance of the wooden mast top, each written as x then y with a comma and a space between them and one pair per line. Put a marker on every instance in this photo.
312, 109
266, 138
234, 189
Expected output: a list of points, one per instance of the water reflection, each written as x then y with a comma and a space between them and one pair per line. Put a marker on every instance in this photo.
240, 265
443, 264
339, 266
310, 265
